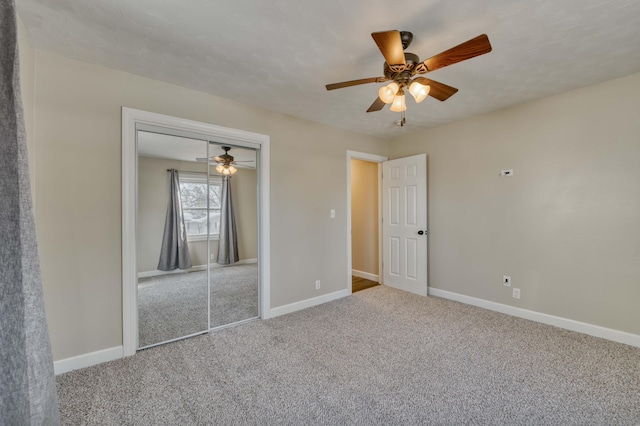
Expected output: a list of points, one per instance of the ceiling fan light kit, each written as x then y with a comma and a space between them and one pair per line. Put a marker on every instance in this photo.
226, 170
225, 162
401, 68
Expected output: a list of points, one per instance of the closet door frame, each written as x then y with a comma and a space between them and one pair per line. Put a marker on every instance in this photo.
131, 119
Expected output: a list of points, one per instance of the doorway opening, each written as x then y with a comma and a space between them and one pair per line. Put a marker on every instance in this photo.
364, 205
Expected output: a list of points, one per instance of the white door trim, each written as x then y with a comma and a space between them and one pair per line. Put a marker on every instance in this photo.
130, 118
355, 155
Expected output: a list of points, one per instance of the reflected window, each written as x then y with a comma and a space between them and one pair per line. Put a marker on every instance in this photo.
193, 194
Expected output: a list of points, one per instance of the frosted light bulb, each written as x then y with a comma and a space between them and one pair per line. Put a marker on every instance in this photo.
388, 92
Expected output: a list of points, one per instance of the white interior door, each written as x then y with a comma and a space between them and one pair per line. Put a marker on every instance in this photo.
404, 223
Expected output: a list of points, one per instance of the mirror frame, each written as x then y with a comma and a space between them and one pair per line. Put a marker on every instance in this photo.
130, 119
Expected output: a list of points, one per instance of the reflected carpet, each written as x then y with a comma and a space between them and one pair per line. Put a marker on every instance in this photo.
175, 305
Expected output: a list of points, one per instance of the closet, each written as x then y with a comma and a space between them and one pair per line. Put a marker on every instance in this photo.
197, 235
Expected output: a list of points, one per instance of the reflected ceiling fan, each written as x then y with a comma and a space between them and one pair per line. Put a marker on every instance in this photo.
401, 67
225, 162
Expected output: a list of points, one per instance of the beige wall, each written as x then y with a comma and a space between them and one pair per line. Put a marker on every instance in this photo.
153, 190
364, 216
565, 226
78, 192
244, 192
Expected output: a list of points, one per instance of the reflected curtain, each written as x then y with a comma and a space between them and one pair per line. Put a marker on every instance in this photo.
228, 243
174, 253
28, 389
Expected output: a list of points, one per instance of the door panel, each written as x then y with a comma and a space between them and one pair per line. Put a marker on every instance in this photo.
411, 197
394, 208
404, 184
412, 255
394, 257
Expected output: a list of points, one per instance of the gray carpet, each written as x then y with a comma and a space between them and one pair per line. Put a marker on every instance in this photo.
175, 305
234, 294
380, 356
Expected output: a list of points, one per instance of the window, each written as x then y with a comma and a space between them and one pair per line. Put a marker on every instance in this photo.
193, 194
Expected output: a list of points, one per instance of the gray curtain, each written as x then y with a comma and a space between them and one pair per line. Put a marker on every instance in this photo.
174, 253
27, 382
228, 243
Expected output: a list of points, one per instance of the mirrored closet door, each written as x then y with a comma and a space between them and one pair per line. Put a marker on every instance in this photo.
233, 244
197, 236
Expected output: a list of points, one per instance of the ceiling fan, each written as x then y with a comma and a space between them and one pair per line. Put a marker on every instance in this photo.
225, 162
401, 68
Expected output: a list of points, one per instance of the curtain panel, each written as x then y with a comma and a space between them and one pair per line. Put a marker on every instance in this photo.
174, 253
228, 242
27, 383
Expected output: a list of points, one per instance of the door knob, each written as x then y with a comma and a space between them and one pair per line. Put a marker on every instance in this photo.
421, 232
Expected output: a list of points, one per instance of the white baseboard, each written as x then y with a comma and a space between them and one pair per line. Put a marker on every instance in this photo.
568, 324
87, 360
240, 262
365, 275
158, 272
308, 303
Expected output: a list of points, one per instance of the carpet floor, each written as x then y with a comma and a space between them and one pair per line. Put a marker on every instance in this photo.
175, 305
379, 356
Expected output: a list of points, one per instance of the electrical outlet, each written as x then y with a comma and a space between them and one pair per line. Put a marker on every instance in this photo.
333, 213
516, 293
317, 284
506, 280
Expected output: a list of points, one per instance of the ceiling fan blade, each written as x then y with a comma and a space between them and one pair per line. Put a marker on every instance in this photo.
205, 159
469, 49
377, 105
390, 45
440, 91
356, 82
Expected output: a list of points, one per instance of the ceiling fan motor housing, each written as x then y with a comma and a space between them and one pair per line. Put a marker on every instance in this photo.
403, 77
407, 38
225, 158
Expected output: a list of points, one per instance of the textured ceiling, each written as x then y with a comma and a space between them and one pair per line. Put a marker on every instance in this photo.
279, 54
